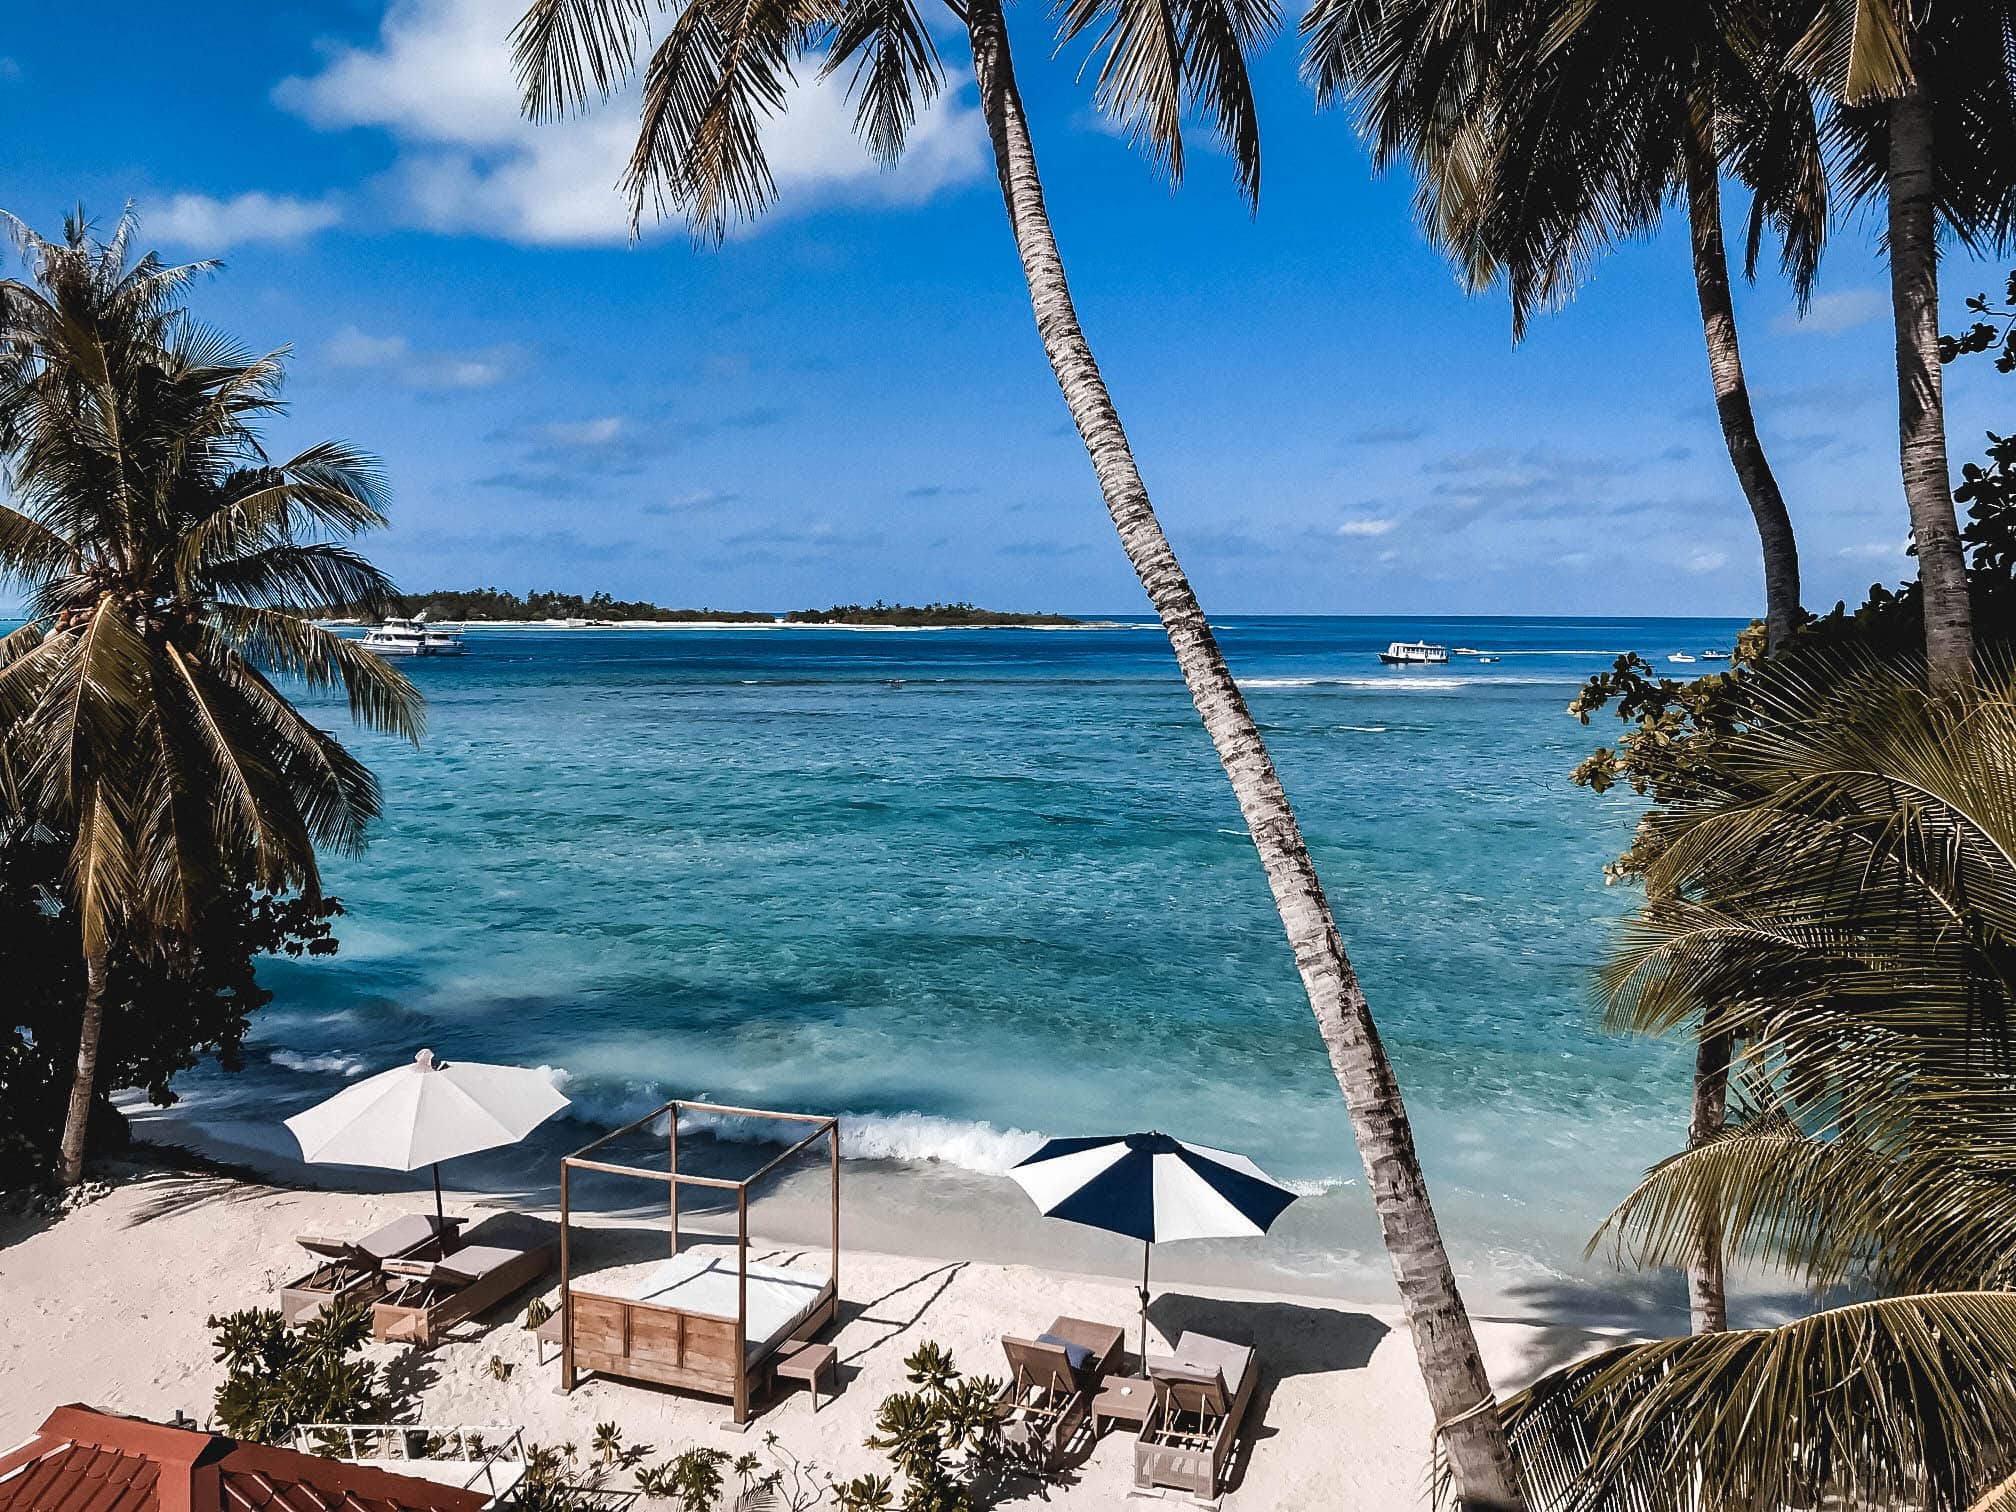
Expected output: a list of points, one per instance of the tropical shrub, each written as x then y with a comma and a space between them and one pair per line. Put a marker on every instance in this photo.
278, 1377
944, 1439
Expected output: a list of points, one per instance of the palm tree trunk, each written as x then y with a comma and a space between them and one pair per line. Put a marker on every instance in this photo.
1458, 1388
1921, 408
77, 1122
1707, 1293
1782, 613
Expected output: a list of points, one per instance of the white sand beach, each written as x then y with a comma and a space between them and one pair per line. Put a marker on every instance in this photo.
107, 1306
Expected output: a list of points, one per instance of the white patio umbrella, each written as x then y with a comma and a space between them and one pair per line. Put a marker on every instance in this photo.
425, 1112
1154, 1188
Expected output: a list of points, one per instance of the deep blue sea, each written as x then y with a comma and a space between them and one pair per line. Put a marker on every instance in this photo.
971, 887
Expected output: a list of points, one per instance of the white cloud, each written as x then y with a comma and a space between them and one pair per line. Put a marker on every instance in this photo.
1366, 527
1831, 314
397, 359
212, 225
351, 347
1875, 551
599, 432
1706, 561
440, 81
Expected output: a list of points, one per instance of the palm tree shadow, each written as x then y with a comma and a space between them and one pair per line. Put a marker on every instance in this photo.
1569, 1320
931, 1285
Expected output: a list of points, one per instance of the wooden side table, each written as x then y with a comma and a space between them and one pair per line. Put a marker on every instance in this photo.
1123, 1399
806, 1362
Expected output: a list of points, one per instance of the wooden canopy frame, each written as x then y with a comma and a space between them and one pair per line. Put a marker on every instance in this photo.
673, 1346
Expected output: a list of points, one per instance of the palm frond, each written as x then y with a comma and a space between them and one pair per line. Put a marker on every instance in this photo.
1904, 1401
721, 71
381, 696
896, 72
564, 51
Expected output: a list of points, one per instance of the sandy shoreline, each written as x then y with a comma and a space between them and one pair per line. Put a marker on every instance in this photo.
108, 1306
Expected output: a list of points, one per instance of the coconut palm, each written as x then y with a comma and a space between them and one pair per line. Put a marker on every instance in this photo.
168, 560
1927, 120
1867, 974
721, 68
1544, 131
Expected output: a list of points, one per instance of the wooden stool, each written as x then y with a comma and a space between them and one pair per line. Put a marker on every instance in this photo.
806, 1362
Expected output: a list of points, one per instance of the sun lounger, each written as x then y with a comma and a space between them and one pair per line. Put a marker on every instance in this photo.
1201, 1394
1052, 1381
350, 1269
428, 1297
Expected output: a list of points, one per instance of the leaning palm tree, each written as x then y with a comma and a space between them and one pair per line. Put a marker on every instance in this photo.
169, 563
1926, 97
721, 68
1840, 893
1543, 132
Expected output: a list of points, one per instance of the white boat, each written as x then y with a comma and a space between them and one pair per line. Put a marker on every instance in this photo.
1680, 656
1714, 656
414, 637
1483, 658
1414, 654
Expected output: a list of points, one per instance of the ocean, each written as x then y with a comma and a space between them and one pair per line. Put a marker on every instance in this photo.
971, 888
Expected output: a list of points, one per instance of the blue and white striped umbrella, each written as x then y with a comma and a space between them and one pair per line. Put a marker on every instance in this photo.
1152, 1187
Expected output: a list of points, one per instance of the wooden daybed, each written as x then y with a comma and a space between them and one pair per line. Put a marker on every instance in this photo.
704, 1323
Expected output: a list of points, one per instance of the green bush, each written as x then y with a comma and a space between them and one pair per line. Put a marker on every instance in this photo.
944, 1439
279, 1377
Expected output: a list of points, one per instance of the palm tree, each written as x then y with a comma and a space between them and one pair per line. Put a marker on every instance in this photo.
1927, 118
720, 69
169, 563
1866, 975
1544, 131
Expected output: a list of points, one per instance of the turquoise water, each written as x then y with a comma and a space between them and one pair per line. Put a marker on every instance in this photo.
972, 887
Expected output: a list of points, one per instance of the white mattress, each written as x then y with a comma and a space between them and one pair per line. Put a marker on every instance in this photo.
779, 1299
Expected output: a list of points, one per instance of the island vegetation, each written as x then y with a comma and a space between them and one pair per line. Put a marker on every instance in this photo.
879, 613
477, 605
467, 604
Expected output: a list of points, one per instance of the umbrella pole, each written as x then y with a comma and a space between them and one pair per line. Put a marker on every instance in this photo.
1146, 1246
440, 1218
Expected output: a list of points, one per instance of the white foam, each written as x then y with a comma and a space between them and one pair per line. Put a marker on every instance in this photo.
347, 1065
1401, 682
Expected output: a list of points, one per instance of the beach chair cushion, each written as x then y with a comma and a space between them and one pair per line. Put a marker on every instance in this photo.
1230, 1361
404, 1235
472, 1263
1079, 1356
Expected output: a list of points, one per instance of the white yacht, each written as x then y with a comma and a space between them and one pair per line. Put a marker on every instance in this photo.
414, 637
1414, 654
1680, 656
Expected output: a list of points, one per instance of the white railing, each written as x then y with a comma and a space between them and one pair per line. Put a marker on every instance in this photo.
494, 1456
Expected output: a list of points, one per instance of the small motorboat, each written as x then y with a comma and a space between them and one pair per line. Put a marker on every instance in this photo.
1681, 656
1486, 660
1714, 656
1414, 654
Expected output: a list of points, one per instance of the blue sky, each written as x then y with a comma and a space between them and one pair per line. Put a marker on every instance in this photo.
848, 400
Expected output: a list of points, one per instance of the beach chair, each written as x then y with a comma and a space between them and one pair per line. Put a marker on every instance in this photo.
1201, 1394
351, 1269
1052, 1381
427, 1297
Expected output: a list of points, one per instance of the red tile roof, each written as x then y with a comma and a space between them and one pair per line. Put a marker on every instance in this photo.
84, 1460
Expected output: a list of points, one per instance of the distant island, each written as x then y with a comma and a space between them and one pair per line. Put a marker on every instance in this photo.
879, 613
478, 605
